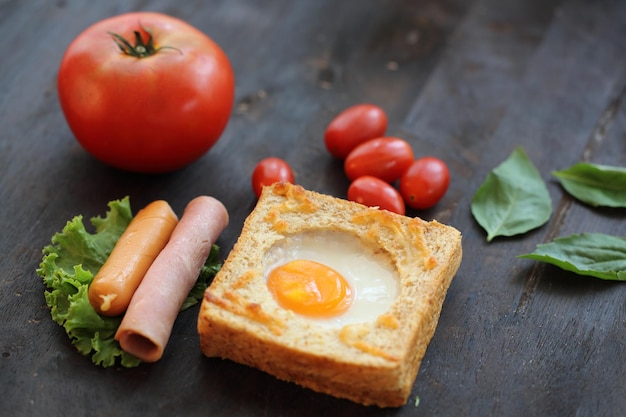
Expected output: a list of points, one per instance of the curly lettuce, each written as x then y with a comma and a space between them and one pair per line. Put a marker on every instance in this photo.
69, 264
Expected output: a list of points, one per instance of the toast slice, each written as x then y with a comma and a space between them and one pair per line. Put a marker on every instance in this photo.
374, 362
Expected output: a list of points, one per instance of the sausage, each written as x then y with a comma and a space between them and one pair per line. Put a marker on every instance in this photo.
147, 324
119, 277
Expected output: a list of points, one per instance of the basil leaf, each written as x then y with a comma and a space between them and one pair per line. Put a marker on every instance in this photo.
597, 185
513, 199
593, 254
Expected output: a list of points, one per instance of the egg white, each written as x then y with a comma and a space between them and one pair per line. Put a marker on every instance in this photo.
371, 276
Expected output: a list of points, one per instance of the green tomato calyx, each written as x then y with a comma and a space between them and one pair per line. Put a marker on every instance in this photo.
141, 49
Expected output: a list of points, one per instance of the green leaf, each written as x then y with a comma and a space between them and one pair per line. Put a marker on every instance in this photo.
593, 254
68, 266
513, 199
596, 185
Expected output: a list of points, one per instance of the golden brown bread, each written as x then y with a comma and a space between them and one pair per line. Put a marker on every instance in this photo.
372, 363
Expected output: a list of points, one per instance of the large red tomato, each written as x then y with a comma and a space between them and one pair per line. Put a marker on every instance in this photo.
146, 92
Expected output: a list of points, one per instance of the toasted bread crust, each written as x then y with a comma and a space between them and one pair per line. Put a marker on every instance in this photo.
370, 363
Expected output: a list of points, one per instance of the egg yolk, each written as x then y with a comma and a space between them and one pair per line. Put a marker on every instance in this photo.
310, 288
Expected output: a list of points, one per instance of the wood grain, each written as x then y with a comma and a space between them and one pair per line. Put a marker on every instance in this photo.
466, 81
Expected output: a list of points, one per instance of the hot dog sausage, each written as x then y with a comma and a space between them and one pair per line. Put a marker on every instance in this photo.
117, 280
147, 324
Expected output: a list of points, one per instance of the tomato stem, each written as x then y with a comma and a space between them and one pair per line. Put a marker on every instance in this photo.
141, 49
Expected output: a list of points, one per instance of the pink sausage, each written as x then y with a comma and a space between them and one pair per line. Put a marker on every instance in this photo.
147, 324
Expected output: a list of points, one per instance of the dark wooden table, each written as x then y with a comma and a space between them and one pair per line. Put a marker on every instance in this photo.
466, 81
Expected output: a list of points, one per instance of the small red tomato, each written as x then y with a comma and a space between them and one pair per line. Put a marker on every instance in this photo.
268, 171
374, 192
425, 182
386, 158
353, 126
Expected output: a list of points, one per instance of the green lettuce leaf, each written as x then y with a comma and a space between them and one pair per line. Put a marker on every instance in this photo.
69, 264
596, 185
592, 254
513, 199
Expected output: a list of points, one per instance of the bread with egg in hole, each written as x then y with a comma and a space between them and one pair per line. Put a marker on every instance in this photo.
375, 282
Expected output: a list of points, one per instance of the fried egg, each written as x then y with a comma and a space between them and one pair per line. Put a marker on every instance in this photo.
330, 278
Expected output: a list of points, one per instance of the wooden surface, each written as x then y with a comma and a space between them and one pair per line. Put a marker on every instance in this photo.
467, 81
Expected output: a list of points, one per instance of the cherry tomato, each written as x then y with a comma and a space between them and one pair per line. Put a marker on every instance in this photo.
145, 92
425, 182
374, 192
386, 158
268, 171
353, 126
